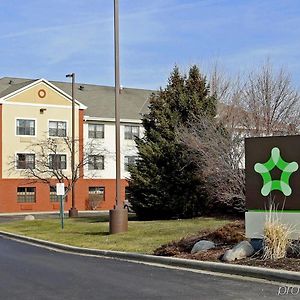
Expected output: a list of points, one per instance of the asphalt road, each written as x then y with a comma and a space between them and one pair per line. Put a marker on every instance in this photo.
30, 272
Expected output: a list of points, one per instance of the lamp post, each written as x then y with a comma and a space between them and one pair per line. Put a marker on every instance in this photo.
73, 212
118, 217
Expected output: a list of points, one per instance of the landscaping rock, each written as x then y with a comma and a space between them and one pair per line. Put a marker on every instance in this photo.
29, 218
202, 246
257, 244
239, 251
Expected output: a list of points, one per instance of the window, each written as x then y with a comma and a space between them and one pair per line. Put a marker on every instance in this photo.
127, 193
129, 161
96, 196
97, 190
25, 161
96, 162
26, 194
53, 196
58, 128
25, 127
58, 161
96, 131
131, 132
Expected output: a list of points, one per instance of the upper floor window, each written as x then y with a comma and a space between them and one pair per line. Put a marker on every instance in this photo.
129, 161
58, 128
25, 127
57, 161
25, 161
96, 162
96, 131
131, 132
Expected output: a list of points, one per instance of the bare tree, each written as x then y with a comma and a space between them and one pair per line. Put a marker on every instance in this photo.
51, 158
219, 163
259, 104
270, 103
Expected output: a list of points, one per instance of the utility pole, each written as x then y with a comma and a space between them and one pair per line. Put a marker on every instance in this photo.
73, 212
118, 217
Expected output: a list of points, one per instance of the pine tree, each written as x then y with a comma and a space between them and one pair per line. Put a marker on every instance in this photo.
164, 183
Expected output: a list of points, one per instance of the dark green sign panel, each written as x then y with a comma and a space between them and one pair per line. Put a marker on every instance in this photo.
272, 172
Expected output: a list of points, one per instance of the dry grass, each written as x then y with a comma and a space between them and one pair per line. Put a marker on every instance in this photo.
276, 236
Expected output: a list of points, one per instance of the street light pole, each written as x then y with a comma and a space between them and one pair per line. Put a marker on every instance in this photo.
118, 217
73, 212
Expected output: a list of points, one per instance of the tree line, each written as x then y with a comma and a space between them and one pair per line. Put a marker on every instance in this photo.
191, 157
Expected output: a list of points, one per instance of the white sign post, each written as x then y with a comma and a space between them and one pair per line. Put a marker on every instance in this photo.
60, 191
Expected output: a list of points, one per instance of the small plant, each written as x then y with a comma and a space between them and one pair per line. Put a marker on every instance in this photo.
276, 236
94, 201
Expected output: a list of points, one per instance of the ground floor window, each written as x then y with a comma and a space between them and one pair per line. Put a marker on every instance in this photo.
127, 193
26, 194
53, 196
96, 196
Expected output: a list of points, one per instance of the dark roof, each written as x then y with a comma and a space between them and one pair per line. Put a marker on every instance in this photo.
98, 99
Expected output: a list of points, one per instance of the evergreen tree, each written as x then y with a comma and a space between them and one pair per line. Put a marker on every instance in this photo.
164, 183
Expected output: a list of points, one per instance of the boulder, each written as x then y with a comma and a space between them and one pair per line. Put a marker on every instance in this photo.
29, 218
239, 251
257, 244
202, 246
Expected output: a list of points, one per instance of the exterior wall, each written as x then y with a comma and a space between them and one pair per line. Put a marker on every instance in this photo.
23, 144
26, 105
106, 147
31, 95
8, 195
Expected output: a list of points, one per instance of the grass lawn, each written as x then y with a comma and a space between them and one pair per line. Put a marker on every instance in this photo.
92, 232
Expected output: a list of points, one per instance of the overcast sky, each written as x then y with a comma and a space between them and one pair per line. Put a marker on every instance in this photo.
51, 38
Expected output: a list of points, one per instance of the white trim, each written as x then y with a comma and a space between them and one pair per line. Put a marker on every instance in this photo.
41, 105
95, 123
57, 120
100, 119
30, 119
52, 86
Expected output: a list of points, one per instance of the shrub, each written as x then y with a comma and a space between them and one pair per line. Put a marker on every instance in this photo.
276, 236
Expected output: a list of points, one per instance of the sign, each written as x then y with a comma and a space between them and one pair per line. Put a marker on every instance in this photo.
60, 189
272, 172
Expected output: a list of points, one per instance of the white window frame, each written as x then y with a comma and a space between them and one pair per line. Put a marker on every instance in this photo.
56, 120
101, 124
27, 119
132, 136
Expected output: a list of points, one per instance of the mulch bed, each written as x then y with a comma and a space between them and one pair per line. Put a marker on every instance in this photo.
225, 238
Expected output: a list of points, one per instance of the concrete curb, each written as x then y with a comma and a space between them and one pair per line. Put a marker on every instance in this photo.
256, 272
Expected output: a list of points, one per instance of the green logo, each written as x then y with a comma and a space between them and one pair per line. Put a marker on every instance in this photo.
286, 168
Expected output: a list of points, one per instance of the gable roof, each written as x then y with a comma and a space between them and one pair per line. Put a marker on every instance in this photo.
100, 100
22, 86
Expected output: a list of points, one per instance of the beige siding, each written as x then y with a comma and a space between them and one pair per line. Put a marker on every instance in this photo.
11, 111
31, 95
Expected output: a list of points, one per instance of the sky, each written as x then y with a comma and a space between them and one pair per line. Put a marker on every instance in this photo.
48, 39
